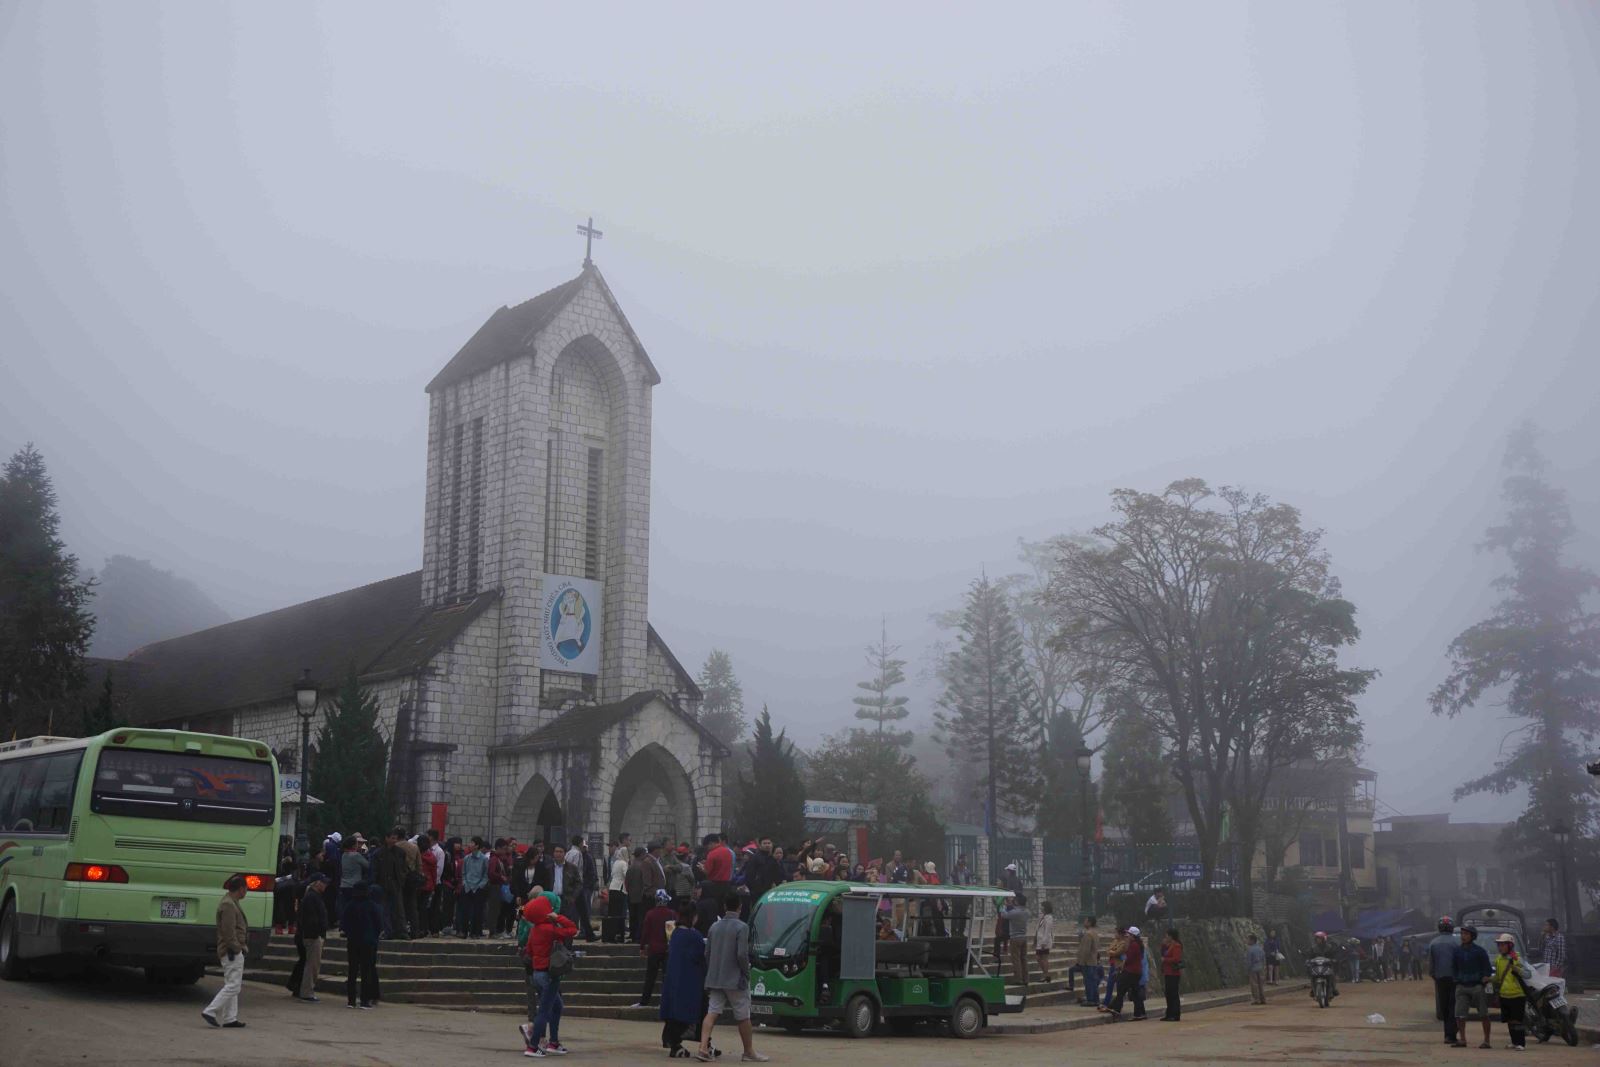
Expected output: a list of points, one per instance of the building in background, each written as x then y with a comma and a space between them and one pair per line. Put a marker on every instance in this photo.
1434, 865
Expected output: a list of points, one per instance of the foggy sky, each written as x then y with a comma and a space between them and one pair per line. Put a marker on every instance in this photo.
917, 285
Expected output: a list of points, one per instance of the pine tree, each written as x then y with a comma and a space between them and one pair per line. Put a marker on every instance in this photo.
102, 714
722, 703
772, 797
44, 625
859, 767
349, 772
1134, 779
1538, 656
878, 705
1061, 812
985, 713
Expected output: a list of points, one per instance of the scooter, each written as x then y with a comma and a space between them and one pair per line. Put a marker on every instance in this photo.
1548, 1010
1320, 968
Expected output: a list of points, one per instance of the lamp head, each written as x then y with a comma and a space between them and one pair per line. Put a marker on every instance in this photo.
305, 695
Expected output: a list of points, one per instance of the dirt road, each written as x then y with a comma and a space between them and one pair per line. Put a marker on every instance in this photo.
112, 1017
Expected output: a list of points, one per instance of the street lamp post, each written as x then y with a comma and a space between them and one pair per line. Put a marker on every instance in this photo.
305, 705
1563, 834
1086, 880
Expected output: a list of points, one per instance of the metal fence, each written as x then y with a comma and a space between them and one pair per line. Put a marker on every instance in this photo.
958, 847
1004, 851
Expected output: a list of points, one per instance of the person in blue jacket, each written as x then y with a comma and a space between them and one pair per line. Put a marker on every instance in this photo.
683, 991
1474, 971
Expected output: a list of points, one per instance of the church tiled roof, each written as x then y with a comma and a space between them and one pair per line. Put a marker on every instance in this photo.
507, 332
378, 630
584, 724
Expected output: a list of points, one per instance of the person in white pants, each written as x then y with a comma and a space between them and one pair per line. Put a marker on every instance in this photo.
233, 934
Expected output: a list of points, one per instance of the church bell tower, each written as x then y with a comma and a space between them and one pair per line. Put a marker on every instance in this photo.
538, 495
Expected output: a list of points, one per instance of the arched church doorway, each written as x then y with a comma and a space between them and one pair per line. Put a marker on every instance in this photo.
653, 799
537, 814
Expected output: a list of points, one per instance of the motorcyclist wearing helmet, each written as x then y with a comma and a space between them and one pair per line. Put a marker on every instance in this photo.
1442, 969
1322, 946
1509, 984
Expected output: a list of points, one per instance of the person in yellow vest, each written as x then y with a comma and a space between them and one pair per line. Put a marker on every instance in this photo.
233, 934
1510, 978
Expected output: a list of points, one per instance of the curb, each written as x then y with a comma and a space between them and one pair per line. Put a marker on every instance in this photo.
1220, 999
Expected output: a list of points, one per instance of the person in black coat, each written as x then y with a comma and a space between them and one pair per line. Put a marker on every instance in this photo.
761, 872
589, 877
362, 924
311, 928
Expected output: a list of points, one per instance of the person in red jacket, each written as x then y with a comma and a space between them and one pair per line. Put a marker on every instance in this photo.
545, 930
1171, 972
718, 862
653, 947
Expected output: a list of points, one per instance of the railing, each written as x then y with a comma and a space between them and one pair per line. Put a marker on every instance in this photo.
1004, 851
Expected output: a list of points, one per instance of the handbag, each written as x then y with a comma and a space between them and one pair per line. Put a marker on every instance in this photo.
505, 893
560, 960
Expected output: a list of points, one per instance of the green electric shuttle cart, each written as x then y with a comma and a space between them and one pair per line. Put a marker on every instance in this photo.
841, 952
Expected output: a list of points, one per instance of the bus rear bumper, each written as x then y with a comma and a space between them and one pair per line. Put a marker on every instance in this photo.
130, 944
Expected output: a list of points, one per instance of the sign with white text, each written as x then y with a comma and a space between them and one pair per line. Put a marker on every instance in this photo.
833, 809
570, 625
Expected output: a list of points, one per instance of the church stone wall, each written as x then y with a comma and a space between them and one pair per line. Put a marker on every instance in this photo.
664, 678
460, 705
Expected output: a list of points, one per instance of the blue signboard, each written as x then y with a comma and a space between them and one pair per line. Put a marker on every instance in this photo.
1182, 872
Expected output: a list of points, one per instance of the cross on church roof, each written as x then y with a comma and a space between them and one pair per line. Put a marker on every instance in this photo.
589, 234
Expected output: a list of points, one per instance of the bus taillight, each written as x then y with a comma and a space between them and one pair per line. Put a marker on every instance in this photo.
257, 883
95, 872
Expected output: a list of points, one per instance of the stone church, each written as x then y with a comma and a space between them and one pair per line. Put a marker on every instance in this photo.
519, 680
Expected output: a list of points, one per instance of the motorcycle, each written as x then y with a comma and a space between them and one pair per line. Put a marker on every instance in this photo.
1548, 1010
1320, 968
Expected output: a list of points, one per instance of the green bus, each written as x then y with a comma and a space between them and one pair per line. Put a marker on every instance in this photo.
115, 848
840, 952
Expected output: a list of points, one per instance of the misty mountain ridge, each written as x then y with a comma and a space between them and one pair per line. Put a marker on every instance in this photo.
136, 603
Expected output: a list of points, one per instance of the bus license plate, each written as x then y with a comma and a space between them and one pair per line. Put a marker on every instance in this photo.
174, 909
761, 1009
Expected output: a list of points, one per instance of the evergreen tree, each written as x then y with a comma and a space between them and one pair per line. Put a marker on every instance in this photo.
1061, 812
986, 715
772, 797
860, 767
102, 714
1538, 656
878, 705
722, 704
1134, 778
44, 625
349, 773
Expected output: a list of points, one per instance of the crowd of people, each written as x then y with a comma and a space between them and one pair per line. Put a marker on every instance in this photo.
687, 909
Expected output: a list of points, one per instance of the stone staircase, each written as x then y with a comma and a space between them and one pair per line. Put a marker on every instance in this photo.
486, 975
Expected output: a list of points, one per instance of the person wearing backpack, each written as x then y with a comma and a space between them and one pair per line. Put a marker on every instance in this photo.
550, 959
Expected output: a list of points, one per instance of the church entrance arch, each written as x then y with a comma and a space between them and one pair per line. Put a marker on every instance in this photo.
653, 799
537, 814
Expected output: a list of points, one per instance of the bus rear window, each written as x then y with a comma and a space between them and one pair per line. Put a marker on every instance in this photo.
180, 785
